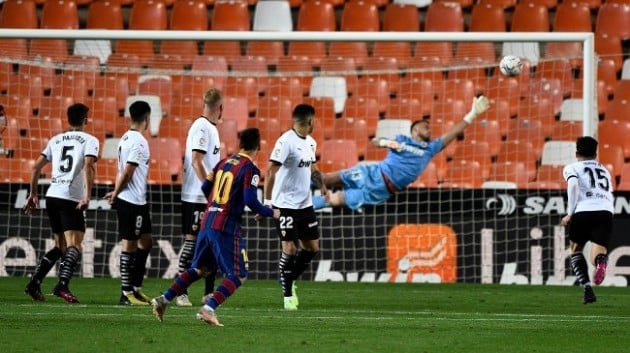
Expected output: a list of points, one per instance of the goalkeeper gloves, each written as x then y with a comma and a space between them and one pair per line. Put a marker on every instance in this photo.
479, 105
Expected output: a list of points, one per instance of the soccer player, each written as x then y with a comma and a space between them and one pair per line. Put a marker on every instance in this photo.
202, 154
589, 213
408, 156
288, 188
129, 198
232, 184
73, 155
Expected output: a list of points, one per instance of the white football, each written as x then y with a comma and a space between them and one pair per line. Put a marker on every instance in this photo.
510, 65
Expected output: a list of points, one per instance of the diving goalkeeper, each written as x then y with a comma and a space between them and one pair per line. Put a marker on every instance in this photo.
408, 156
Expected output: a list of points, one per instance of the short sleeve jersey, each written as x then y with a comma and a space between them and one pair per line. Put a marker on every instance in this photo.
594, 183
403, 167
203, 137
67, 152
133, 148
292, 186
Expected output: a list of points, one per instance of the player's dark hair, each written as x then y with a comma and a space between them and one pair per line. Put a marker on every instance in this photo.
302, 112
139, 111
586, 147
423, 121
77, 113
249, 139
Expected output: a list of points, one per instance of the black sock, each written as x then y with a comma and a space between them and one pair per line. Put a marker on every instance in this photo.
127, 260
140, 267
210, 278
580, 269
600, 257
68, 263
185, 258
45, 264
287, 262
302, 261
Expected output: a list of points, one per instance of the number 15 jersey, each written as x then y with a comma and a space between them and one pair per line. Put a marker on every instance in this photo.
594, 183
67, 152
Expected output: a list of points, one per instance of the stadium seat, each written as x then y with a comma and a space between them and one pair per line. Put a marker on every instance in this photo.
18, 14
514, 172
17, 170
230, 50
614, 20
270, 128
29, 147
100, 49
473, 150
502, 88
389, 128
622, 90
571, 51
487, 131
401, 18
228, 131
571, 110
465, 174
271, 51
592, 4
111, 85
156, 111
285, 87
356, 50
550, 4
337, 154
572, 17
457, 89
530, 18
46, 127
254, 67
557, 69
442, 50
373, 87
278, 108
54, 49
300, 67
235, 108
360, 16
167, 149
383, 68
334, 87
104, 15
550, 174
607, 73
245, 88
362, 108
545, 96
615, 132
27, 86
516, 151
60, 14
191, 15
609, 47
624, 183
176, 127
427, 179
444, 17
420, 89
618, 110
401, 51
601, 93
157, 85
17, 106
159, 172
316, 15
558, 153
103, 116
375, 154
273, 16
70, 86
353, 129
312, 52
449, 110
148, 15
212, 66
106, 172
503, 3
530, 51
324, 115
527, 130
85, 67
110, 148
341, 66
625, 71
425, 68
567, 130
611, 156
487, 18
230, 16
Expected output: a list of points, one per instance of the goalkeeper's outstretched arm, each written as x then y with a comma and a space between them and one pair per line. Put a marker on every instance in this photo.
480, 104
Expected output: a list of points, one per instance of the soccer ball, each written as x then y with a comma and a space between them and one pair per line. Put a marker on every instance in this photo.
510, 65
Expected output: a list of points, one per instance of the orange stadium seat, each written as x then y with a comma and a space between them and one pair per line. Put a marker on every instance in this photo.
527, 130
29, 147
372, 87
550, 4
612, 157
401, 51
441, 50
245, 88
385, 69
420, 89
311, 52
17, 106
624, 183
362, 108
449, 110
401, 18
127, 66
545, 95
25, 86
159, 172
487, 18
374, 153
45, 128
360, 15
299, 67
427, 68
167, 149
271, 51
106, 171
228, 131
61, 14
609, 47
600, 88
337, 154
189, 15
214, 66
465, 174
503, 3
457, 89
54, 107
285, 87
111, 85
618, 110
614, 19
622, 90
235, 108
17, 170
18, 14
615, 132
254, 67
55, 49
487, 131
565, 50
444, 17
230, 16
70, 86
427, 179
520, 151
102, 116
355, 50
462, 3
550, 174
473, 150
530, 18
148, 15
316, 15
104, 15
557, 69
157, 85
86, 67
404, 108
592, 4
324, 114
176, 127
515, 172
572, 17
341, 66
278, 108
353, 129
270, 128
566, 130
505, 89
227, 49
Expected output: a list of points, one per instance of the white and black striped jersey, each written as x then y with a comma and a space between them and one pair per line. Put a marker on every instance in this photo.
292, 185
67, 152
133, 148
203, 137
595, 185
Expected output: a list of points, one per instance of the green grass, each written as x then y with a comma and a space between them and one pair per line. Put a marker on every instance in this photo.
333, 317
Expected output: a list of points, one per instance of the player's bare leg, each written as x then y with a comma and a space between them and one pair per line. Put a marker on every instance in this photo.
599, 258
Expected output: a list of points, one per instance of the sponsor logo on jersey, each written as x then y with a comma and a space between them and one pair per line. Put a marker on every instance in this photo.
304, 164
216, 150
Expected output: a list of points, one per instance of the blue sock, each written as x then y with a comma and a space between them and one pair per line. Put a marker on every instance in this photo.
319, 202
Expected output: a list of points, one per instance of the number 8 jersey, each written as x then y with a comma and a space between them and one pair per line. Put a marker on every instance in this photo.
67, 152
595, 186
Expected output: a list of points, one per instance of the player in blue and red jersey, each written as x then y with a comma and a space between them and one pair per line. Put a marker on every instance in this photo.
232, 185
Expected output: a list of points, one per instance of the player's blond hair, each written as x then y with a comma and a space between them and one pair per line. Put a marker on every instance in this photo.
213, 98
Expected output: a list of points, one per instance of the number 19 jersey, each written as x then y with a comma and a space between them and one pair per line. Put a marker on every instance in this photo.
67, 152
594, 183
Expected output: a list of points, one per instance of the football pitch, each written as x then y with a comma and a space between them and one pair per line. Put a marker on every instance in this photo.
333, 317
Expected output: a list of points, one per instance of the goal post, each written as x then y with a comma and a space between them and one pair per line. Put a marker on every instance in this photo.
486, 210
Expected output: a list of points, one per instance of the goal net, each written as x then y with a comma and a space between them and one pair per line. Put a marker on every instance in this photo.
487, 209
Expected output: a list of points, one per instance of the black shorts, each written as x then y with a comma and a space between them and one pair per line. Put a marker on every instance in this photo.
595, 226
297, 224
63, 215
192, 214
133, 220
